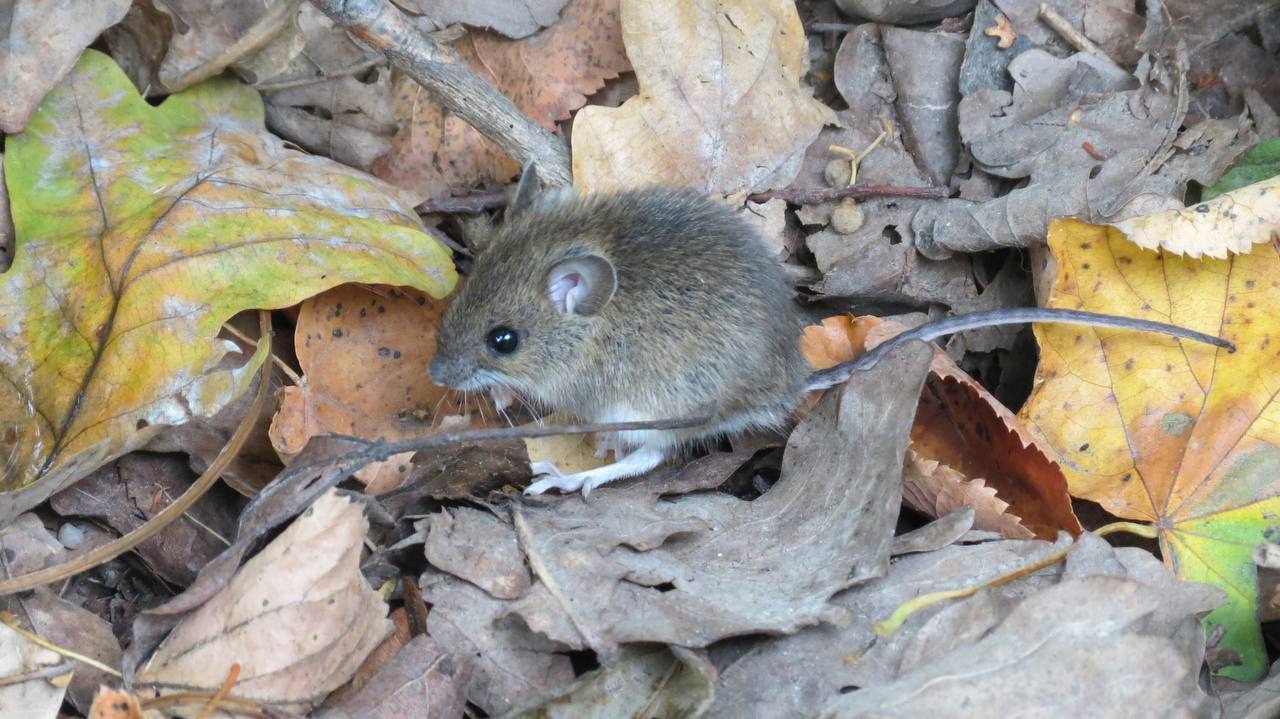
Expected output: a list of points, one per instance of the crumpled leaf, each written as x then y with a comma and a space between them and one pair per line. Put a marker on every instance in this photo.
298, 618
38, 698
1100, 644
644, 681
197, 214
1229, 224
364, 352
1177, 433
1018, 642
721, 106
547, 76
39, 42
208, 37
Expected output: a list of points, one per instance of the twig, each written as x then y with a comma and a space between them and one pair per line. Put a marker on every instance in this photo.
221, 694
472, 204
858, 192
56, 670
1059, 24
12, 622
378, 450
115, 548
378, 24
284, 367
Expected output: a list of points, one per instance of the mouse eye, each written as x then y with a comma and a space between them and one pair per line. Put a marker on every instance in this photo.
503, 340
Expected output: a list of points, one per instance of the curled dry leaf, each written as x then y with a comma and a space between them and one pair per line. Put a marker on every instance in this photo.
1156, 429
140, 231
966, 447
298, 618
364, 352
721, 105
1228, 224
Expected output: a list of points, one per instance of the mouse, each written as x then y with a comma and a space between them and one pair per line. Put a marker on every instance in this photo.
651, 304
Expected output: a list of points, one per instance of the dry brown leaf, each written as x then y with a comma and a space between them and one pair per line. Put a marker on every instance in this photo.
1228, 224
547, 75
42, 40
721, 106
513, 18
967, 448
111, 703
937, 490
208, 37
365, 351
298, 618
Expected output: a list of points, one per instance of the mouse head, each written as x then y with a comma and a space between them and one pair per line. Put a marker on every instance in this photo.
532, 300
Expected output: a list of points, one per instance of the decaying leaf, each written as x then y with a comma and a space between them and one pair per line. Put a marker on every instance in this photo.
209, 37
644, 681
741, 120
76, 629
420, 681
1176, 433
547, 75
298, 618
364, 352
1228, 224
40, 43
1119, 628
140, 231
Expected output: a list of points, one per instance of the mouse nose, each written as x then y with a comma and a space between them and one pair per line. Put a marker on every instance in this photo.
449, 371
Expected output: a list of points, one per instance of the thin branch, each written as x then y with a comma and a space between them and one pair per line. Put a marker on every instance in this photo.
381, 26
472, 204
858, 192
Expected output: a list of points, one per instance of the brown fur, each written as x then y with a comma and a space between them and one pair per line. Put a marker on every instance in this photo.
702, 314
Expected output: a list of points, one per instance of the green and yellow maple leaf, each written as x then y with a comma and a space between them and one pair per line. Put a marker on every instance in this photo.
140, 230
1175, 433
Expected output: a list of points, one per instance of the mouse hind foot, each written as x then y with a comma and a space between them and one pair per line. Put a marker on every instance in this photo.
638, 462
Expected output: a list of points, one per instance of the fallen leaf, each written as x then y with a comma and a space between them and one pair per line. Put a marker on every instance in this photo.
209, 37
111, 703
1261, 162
298, 617
36, 697
568, 452
133, 489
513, 18
1175, 433
420, 681
1076, 634
364, 353
721, 105
1228, 224
966, 447
511, 664
28, 546
644, 681
76, 629
41, 41
546, 75
1016, 642
198, 214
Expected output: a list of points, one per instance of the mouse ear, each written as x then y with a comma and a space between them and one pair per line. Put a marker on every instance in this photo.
582, 285
527, 190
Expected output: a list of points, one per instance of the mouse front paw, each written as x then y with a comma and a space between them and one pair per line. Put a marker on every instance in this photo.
566, 483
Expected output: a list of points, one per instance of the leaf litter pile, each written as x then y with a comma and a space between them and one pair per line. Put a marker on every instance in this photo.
228, 232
